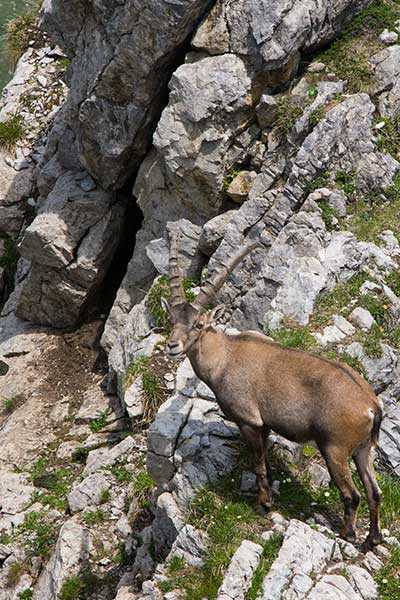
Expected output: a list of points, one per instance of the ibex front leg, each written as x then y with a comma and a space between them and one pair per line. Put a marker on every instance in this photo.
255, 438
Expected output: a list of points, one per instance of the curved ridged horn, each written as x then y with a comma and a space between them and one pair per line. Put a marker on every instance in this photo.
175, 273
212, 285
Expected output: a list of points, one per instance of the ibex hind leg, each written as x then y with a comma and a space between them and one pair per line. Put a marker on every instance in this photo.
255, 438
364, 459
337, 461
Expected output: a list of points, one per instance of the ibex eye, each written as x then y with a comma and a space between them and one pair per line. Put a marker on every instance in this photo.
199, 326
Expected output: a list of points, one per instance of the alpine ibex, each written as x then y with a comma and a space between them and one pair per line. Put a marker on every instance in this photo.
261, 385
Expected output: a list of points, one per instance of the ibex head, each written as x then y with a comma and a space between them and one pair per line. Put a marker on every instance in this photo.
191, 320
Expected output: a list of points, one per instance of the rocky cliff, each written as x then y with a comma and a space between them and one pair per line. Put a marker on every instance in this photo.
275, 121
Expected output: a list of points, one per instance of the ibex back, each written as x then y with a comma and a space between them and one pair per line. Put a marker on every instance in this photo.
261, 385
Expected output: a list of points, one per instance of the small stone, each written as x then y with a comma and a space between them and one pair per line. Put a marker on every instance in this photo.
362, 318
267, 535
372, 562
278, 522
169, 377
248, 483
267, 111
389, 37
344, 325
316, 67
87, 184
42, 80
240, 186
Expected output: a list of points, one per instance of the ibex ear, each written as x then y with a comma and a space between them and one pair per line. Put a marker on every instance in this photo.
216, 313
165, 306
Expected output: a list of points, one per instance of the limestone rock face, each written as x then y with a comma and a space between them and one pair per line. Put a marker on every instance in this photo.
70, 246
69, 556
122, 59
269, 34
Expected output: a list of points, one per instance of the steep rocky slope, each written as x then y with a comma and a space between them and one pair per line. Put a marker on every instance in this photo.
276, 121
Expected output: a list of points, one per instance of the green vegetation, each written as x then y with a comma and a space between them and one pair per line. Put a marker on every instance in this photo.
73, 589
294, 337
312, 91
160, 289
15, 573
5, 538
370, 218
40, 534
345, 181
319, 182
328, 214
376, 17
390, 508
393, 281
56, 482
98, 423
288, 113
152, 388
229, 177
388, 579
26, 594
309, 451
188, 284
80, 454
11, 131
19, 32
11, 404
105, 496
228, 519
120, 472
270, 552
348, 59
389, 140
141, 488
94, 517
335, 301
316, 115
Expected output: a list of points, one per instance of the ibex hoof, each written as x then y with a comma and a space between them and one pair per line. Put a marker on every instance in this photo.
349, 535
262, 509
370, 543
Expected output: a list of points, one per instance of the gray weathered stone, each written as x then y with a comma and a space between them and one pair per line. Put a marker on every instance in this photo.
362, 318
70, 246
239, 575
213, 232
68, 558
88, 492
190, 545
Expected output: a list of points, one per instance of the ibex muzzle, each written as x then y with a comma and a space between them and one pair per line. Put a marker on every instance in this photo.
261, 385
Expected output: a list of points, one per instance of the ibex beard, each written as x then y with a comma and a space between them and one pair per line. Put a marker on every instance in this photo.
263, 386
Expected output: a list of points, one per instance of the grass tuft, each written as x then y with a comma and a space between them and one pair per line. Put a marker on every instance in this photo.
294, 337
142, 487
288, 113
94, 517
40, 534
160, 289
73, 588
14, 573
11, 131
229, 177
152, 394
99, 422
388, 578
19, 32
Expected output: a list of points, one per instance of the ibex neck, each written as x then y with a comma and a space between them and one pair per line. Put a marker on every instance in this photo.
208, 355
